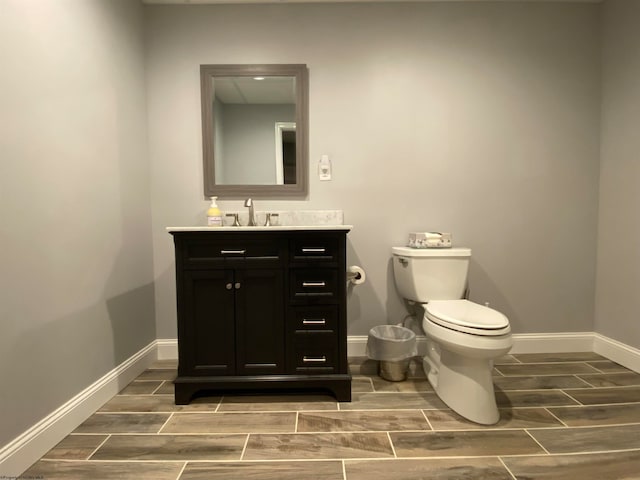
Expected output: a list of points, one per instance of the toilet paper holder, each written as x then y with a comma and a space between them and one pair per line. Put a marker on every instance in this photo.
355, 275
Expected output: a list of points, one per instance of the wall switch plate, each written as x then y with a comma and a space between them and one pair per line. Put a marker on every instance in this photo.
324, 168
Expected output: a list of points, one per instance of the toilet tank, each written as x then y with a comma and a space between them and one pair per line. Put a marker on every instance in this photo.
424, 274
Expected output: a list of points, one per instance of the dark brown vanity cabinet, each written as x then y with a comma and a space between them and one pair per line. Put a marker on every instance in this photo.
261, 310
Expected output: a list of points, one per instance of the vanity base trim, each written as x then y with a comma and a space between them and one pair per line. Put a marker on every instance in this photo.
338, 385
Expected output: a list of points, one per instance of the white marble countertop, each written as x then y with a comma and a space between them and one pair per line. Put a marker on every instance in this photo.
276, 228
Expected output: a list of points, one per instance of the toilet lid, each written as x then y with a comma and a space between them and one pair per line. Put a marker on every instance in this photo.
466, 314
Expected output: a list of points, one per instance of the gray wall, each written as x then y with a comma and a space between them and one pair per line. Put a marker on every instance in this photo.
617, 300
76, 296
481, 119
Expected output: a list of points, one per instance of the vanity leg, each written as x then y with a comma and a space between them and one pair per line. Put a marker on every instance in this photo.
342, 391
183, 393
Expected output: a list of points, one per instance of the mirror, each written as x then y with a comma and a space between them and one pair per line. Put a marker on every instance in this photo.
254, 130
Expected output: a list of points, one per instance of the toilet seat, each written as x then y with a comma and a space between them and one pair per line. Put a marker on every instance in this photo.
467, 317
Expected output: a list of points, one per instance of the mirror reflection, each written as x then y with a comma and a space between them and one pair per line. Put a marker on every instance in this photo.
254, 129
254, 119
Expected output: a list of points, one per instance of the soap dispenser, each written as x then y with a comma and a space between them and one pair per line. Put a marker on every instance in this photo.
214, 215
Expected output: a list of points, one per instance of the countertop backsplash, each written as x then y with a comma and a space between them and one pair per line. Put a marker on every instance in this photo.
289, 217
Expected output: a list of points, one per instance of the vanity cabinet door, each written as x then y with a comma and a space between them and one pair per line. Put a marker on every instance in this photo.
206, 332
233, 323
259, 317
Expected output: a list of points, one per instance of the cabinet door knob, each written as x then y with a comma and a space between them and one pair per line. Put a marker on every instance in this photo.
237, 285
229, 286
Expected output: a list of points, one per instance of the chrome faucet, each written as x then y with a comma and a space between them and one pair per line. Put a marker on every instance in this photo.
252, 217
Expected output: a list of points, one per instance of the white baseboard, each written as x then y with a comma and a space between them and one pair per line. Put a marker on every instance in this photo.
167, 349
522, 343
30, 446
552, 342
617, 351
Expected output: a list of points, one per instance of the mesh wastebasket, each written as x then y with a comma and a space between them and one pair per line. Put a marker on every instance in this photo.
393, 346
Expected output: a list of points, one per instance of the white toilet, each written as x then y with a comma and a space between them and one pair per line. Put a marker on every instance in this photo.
463, 337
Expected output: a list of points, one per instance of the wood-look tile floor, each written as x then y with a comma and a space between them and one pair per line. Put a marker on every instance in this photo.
563, 416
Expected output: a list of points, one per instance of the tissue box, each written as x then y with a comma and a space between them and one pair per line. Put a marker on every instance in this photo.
429, 240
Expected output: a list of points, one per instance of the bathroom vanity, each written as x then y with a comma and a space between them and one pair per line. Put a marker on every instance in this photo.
261, 308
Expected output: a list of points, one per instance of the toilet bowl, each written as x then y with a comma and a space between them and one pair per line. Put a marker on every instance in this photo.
460, 356
463, 337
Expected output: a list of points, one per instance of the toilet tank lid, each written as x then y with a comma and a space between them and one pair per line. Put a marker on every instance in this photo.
431, 252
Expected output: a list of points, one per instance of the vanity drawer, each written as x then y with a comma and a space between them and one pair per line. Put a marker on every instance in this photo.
215, 252
315, 353
314, 249
318, 285
315, 318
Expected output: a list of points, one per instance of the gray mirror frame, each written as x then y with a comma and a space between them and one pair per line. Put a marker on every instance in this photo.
300, 72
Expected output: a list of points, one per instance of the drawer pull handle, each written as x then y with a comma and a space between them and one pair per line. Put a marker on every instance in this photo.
232, 252
314, 284
314, 250
321, 359
310, 321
